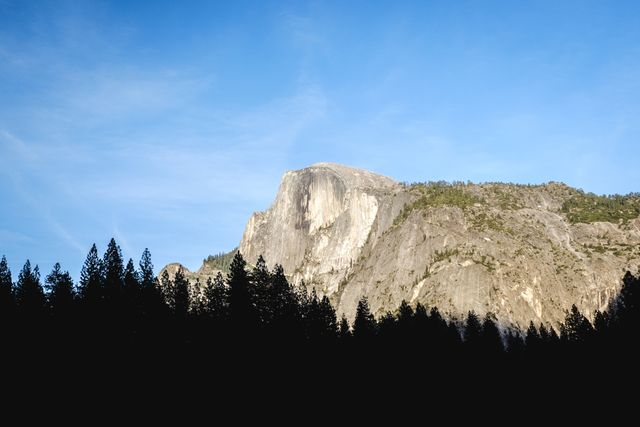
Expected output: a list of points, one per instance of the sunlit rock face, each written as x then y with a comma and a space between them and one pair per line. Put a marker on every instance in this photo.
346, 233
319, 223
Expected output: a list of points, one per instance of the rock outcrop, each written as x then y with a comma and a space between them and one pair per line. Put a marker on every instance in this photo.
501, 248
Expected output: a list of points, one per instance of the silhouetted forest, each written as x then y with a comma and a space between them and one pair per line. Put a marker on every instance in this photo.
119, 313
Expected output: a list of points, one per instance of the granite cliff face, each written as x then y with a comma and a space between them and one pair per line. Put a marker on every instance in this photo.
512, 250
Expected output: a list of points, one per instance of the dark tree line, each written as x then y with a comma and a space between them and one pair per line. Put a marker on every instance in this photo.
119, 306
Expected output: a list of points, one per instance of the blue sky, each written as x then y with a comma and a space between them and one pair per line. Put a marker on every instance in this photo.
166, 124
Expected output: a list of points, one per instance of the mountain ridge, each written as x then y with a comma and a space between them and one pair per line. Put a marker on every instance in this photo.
518, 251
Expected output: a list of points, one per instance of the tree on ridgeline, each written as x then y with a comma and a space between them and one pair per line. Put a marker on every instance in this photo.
61, 293
90, 286
7, 303
364, 325
30, 298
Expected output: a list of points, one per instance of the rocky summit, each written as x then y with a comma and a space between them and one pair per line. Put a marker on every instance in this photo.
523, 252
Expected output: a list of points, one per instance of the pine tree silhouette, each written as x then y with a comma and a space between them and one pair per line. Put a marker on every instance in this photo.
328, 320
364, 325
7, 303
61, 293
472, 332
260, 287
287, 324
532, 338
113, 276
90, 286
344, 330
30, 298
491, 339
216, 295
180, 295
576, 327
153, 306
241, 310
132, 290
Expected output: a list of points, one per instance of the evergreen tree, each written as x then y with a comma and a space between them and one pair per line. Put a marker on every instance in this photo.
261, 291
443, 341
215, 296
285, 305
453, 337
180, 299
532, 338
328, 320
61, 292
553, 337
166, 285
344, 331
626, 310
387, 327
421, 325
405, 321
30, 298
491, 340
147, 278
113, 274
151, 295
90, 286
515, 344
602, 331
364, 325
241, 308
472, 331
544, 335
312, 320
601, 322
132, 290
576, 327
7, 304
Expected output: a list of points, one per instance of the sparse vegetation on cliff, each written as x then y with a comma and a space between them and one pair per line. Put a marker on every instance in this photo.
221, 261
434, 194
588, 207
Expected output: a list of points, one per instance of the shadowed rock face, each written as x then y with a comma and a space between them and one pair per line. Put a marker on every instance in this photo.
502, 248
